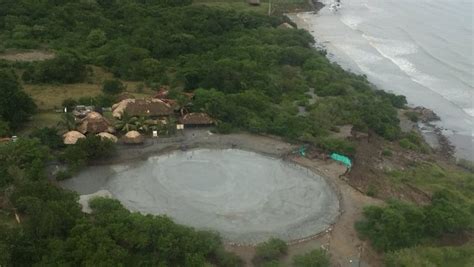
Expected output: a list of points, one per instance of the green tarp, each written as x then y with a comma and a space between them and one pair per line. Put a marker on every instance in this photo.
343, 159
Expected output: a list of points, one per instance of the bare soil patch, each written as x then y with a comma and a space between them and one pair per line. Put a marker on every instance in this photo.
27, 56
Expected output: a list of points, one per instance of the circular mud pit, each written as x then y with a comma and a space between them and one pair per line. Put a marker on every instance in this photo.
245, 196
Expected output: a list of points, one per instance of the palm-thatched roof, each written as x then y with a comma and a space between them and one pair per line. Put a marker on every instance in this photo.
71, 138
196, 119
142, 107
93, 123
133, 137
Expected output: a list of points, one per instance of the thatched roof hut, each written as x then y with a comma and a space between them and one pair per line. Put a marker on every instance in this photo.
142, 107
71, 138
197, 119
93, 123
133, 137
108, 136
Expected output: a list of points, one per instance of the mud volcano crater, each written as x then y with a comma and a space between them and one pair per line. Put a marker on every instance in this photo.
245, 196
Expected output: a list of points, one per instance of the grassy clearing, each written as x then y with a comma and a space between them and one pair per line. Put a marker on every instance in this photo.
40, 120
433, 177
51, 96
433, 256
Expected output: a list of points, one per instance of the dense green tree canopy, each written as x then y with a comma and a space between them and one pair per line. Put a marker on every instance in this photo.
15, 105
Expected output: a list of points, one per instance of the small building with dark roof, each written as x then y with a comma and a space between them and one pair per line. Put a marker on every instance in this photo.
196, 120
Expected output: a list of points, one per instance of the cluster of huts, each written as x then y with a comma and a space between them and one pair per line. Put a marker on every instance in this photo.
158, 109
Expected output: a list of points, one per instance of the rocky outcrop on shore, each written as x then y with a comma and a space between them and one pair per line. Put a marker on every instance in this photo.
426, 114
317, 5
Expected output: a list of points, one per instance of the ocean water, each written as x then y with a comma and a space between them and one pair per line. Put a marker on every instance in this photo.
422, 49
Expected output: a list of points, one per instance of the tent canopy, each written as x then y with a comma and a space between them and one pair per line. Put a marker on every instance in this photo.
343, 159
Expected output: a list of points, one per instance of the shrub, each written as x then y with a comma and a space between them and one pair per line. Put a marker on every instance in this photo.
431, 256
63, 175
65, 68
227, 259
396, 226
69, 103
75, 157
269, 251
372, 190
15, 105
413, 116
113, 87
415, 142
466, 164
336, 145
86, 150
4, 128
224, 128
387, 152
315, 258
48, 137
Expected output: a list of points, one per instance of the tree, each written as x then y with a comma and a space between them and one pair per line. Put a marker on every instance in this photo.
315, 258
113, 87
67, 122
48, 137
24, 158
126, 123
96, 38
64, 68
15, 105
4, 128
396, 226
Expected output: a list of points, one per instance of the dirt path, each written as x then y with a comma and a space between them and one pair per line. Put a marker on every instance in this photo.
27, 56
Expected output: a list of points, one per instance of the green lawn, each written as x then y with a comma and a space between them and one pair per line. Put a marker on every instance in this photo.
433, 177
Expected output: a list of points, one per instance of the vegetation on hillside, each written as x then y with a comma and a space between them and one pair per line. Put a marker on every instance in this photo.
246, 72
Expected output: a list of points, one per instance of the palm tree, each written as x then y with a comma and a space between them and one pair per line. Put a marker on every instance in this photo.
143, 124
126, 123
68, 121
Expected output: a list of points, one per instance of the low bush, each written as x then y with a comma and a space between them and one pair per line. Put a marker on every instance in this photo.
48, 137
315, 258
272, 250
387, 152
331, 145
413, 116
431, 256
400, 225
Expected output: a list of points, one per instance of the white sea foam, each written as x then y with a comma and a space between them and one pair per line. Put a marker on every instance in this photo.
352, 21
469, 111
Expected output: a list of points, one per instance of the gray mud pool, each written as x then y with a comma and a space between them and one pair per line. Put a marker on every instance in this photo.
245, 196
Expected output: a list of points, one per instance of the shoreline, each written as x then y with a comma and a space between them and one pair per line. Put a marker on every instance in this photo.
432, 130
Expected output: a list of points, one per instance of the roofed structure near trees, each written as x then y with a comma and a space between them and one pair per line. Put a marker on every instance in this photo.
142, 107
197, 119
